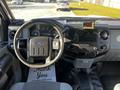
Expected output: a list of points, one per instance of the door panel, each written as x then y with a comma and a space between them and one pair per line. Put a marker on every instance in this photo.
3, 31
10, 71
1, 34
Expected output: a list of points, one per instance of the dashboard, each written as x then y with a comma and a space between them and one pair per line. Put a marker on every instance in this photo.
93, 38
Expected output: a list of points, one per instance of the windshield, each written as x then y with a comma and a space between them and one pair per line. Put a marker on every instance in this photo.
62, 1
31, 9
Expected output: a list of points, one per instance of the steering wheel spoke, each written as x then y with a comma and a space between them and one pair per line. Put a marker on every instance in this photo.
48, 59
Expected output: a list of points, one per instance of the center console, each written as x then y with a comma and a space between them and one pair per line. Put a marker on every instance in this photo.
93, 45
92, 39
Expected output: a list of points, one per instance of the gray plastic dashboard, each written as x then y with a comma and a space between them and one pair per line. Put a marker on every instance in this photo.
112, 25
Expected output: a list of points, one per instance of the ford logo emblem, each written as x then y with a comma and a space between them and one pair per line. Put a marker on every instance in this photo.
41, 44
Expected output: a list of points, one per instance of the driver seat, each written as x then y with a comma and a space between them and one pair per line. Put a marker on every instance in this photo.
41, 85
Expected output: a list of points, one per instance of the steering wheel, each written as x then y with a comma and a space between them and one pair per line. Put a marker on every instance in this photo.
40, 47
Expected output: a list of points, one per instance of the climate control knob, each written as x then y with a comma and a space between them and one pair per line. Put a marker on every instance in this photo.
104, 35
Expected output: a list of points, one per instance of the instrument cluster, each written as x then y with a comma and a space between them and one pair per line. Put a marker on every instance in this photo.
41, 30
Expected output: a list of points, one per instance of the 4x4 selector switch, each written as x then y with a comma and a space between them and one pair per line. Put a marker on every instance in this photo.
103, 47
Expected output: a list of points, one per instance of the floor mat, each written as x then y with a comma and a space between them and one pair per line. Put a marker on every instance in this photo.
86, 81
47, 74
110, 75
109, 82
